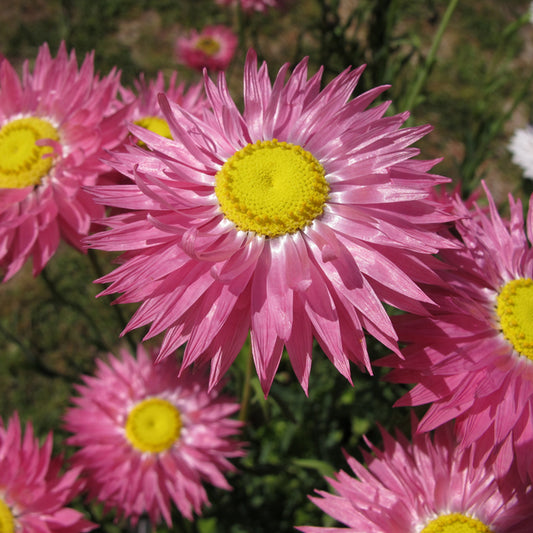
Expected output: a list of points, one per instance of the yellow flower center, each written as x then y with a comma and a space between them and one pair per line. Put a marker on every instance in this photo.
21, 161
7, 522
156, 125
207, 45
271, 188
153, 425
515, 310
456, 523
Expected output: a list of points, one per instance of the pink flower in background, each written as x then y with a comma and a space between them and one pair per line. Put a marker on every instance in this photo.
144, 109
148, 439
55, 124
253, 5
425, 486
34, 492
212, 48
293, 220
471, 357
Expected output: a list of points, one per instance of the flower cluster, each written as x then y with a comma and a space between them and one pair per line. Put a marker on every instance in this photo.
304, 216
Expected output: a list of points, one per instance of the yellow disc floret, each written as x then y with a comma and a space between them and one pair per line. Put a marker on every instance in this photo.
156, 125
7, 522
21, 160
456, 523
515, 311
207, 45
153, 425
271, 188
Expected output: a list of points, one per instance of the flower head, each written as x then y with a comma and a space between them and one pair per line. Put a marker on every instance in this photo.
35, 502
292, 220
55, 124
424, 486
521, 147
212, 48
148, 439
471, 357
143, 103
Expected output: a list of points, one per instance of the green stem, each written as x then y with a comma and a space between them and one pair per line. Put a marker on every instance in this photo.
116, 309
98, 338
33, 360
423, 73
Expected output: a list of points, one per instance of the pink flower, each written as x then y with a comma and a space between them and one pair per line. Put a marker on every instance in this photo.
148, 439
427, 485
292, 220
33, 492
54, 127
472, 356
213, 48
142, 107
143, 103
253, 5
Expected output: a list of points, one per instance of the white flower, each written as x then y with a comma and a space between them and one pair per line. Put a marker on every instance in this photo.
521, 147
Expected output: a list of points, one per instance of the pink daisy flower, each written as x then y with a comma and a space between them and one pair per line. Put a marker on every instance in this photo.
35, 502
472, 356
144, 109
54, 127
212, 48
293, 220
148, 439
424, 486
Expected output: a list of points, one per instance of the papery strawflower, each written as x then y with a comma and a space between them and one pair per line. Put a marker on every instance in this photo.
521, 148
292, 221
34, 493
55, 124
212, 48
148, 439
143, 103
472, 356
424, 486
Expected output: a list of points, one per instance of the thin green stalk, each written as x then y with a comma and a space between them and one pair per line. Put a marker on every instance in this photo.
423, 73
98, 338
116, 309
33, 360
